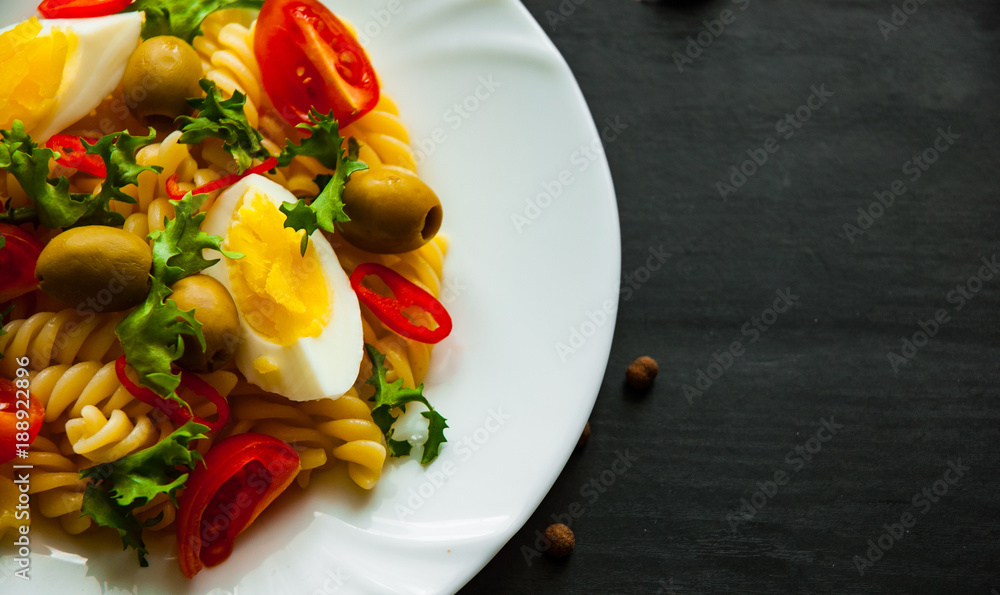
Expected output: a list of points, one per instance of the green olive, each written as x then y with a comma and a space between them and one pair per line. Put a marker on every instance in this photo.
95, 268
161, 75
215, 309
391, 211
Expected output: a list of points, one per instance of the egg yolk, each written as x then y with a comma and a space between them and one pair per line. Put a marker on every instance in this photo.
282, 294
32, 67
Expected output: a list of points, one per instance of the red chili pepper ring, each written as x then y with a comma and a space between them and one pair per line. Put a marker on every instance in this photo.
175, 192
73, 154
172, 409
405, 294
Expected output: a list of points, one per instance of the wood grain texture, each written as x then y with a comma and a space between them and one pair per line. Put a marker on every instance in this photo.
673, 522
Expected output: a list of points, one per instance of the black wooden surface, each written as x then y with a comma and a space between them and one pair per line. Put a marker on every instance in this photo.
675, 520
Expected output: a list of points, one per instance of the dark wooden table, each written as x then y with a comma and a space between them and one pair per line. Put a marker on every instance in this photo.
824, 176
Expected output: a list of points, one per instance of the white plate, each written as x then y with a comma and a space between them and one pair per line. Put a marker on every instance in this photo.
516, 293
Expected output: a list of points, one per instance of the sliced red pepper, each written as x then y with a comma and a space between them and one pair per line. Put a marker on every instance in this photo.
241, 476
81, 9
73, 154
175, 192
173, 409
18, 255
405, 294
173, 189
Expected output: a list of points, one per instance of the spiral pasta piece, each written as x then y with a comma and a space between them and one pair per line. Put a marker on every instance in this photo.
162, 507
226, 51
59, 337
154, 219
102, 439
349, 421
66, 390
320, 431
56, 485
382, 137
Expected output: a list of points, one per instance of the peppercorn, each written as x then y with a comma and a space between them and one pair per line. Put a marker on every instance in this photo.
641, 373
561, 540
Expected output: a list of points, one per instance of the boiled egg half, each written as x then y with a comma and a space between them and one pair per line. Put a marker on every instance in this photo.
56, 71
299, 317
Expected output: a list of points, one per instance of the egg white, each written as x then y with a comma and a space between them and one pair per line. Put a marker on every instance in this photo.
324, 366
93, 69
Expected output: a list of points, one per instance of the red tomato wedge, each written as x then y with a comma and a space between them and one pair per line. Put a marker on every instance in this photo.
81, 9
241, 476
18, 256
310, 59
20, 418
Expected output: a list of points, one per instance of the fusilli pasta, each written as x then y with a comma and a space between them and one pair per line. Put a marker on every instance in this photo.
56, 486
383, 137
59, 337
320, 431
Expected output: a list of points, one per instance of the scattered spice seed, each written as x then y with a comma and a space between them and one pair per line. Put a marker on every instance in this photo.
641, 373
561, 540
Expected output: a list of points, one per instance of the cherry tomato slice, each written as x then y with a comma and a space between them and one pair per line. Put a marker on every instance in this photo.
18, 256
309, 59
81, 9
21, 417
73, 154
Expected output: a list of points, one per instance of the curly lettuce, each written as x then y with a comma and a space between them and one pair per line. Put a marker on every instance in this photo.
151, 335
327, 146
116, 489
223, 119
390, 396
54, 206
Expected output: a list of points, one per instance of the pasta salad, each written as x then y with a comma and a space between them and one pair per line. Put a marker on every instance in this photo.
219, 268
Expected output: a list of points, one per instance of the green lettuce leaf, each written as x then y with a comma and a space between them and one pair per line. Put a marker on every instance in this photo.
55, 206
25, 160
226, 120
177, 249
326, 145
391, 395
151, 339
182, 18
151, 334
323, 142
118, 152
117, 488
300, 217
100, 506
